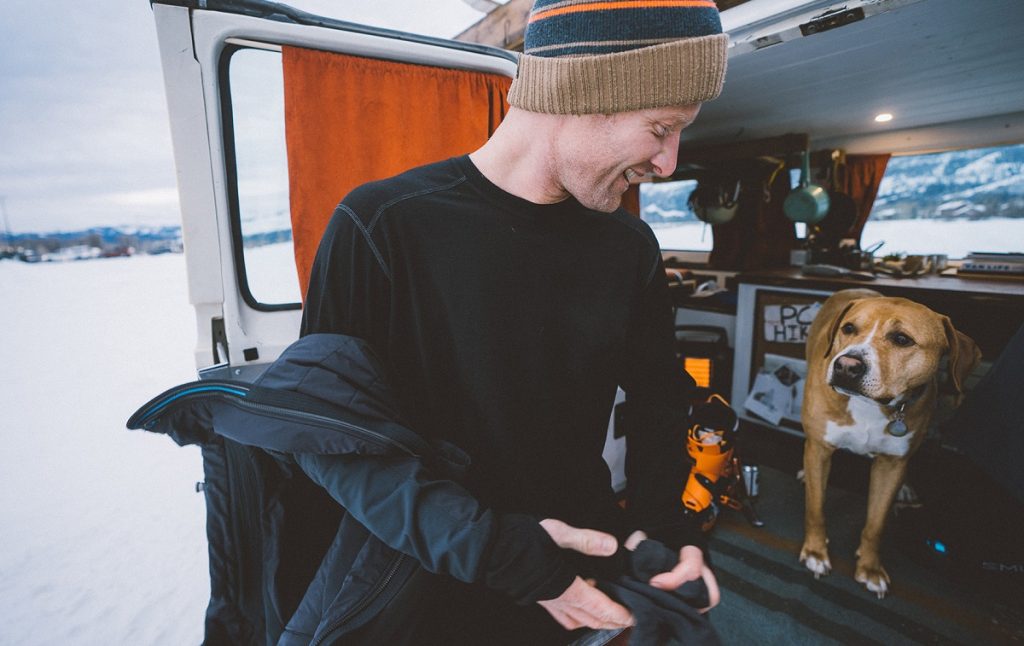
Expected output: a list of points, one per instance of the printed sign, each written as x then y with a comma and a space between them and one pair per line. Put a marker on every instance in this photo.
789, 323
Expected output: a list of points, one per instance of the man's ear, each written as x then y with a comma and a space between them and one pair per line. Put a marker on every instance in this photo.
834, 327
963, 355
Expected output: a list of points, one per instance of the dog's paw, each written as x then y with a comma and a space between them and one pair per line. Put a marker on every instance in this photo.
816, 561
874, 578
800, 475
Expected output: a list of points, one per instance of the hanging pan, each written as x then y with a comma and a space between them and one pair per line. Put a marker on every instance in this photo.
715, 200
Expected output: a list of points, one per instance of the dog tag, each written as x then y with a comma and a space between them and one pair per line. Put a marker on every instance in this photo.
896, 428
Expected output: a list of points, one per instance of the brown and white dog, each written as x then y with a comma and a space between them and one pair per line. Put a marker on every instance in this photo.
872, 373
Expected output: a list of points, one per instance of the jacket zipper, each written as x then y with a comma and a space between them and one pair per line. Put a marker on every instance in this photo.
332, 423
327, 422
365, 601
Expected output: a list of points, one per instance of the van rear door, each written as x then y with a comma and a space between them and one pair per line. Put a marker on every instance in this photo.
225, 64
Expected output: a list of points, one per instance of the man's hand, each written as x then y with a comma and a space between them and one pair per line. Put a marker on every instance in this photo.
582, 604
691, 565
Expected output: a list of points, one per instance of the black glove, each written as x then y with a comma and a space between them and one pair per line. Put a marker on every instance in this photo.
662, 616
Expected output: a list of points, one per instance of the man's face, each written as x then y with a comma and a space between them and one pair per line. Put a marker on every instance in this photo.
599, 156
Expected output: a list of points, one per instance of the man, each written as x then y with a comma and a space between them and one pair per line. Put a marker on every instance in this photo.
509, 295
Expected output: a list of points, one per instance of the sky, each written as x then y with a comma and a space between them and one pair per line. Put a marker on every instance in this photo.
84, 133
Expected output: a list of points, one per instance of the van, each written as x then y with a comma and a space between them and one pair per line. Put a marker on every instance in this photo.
276, 113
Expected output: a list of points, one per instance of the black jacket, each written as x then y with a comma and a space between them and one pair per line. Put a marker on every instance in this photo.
291, 565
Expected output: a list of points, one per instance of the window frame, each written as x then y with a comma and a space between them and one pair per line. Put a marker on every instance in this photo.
231, 174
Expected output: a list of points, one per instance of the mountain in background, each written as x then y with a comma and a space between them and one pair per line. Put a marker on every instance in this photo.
970, 184
97, 242
109, 240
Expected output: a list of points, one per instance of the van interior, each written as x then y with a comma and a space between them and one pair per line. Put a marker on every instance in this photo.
906, 115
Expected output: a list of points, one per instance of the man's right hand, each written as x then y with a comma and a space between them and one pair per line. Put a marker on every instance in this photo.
583, 605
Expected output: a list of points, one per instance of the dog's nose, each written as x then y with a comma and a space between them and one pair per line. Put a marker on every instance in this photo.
850, 367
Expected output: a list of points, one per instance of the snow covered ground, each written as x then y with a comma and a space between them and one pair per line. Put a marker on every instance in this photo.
102, 535
272, 275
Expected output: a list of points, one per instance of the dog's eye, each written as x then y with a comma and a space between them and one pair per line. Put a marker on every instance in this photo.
849, 328
901, 339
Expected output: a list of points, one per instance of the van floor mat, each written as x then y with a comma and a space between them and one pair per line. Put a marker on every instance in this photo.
769, 597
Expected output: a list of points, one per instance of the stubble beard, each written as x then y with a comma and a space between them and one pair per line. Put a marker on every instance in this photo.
607, 205
598, 196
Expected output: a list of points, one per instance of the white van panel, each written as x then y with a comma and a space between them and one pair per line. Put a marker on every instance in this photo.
196, 191
192, 44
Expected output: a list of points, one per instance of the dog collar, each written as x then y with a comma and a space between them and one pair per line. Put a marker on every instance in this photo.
897, 427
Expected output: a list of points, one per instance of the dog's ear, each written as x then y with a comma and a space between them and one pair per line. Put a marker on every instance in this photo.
963, 356
834, 327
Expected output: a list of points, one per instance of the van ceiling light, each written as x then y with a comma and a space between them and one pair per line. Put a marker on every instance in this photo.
883, 117
832, 20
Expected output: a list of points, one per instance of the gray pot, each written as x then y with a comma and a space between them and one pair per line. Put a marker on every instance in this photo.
808, 202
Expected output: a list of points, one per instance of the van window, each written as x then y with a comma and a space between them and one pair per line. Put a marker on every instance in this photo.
261, 166
663, 205
950, 203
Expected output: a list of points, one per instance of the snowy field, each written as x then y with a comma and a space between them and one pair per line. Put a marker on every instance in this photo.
955, 238
102, 535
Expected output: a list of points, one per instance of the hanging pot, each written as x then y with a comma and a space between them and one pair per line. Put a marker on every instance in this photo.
808, 202
713, 201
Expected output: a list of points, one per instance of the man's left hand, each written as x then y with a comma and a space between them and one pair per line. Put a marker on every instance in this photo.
691, 566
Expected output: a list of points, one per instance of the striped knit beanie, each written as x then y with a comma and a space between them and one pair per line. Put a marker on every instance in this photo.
605, 56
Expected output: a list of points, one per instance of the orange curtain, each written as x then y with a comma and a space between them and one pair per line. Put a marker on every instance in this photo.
863, 175
351, 120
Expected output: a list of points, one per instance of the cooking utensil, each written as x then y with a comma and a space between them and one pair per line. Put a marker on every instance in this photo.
808, 202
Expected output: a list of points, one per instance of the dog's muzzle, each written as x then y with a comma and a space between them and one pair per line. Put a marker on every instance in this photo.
848, 372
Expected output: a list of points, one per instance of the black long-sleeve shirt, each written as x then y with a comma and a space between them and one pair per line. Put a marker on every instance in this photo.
507, 326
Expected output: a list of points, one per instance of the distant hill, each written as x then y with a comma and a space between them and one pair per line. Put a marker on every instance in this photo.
141, 239
120, 240
971, 184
